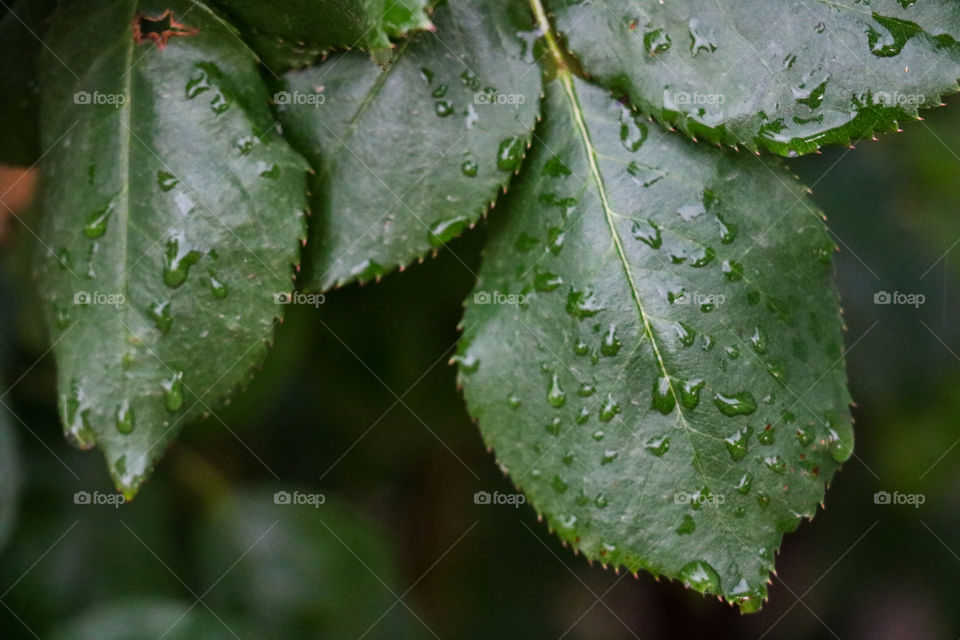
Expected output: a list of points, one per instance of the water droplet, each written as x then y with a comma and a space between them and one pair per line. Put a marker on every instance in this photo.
167, 181
553, 427
586, 389
759, 341
470, 80
600, 500
749, 600
789, 60
513, 401
368, 270
690, 393
179, 258
767, 436
733, 271
125, 418
581, 348
218, 288
567, 458
647, 232
775, 464
609, 455
545, 281
609, 409
268, 170
744, 484
160, 314
558, 484
173, 392
446, 230
702, 257
583, 304
700, 576
555, 238
246, 144
685, 334
663, 399
657, 445
556, 168
555, 395
763, 500
820, 27
219, 104
735, 404
96, 224
728, 231
804, 437
469, 168
598, 435
426, 74
443, 108
440, 91
610, 345
197, 84
468, 363
655, 41
688, 526
737, 443
811, 97
698, 41
510, 154
633, 131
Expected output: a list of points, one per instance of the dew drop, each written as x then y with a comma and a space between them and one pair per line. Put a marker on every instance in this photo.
700, 576
609, 409
609, 456
96, 224
685, 333
647, 232
513, 401
160, 314
767, 436
173, 392
125, 418
735, 404
555, 395
758, 341
583, 304
510, 154
443, 108
690, 393
553, 427
663, 398
775, 464
737, 443
469, 168
167, 181
610, 345
633, 131
744, 484
218, 288
446, 230
544, 281
657, 445
688, 526
179, 259
656, 41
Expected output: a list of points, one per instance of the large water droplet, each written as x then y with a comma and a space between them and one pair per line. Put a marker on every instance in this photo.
124, 417
555, 394
735, 404
610, 345
690, 393
179, 258
700, 576
609, 409
657, 445
737, 443
583, 304
96, 224
173, 392
218, 288
160, 314
446, 230
663, 399
167, 181
510, 154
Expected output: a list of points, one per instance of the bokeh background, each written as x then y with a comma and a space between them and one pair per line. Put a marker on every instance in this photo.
357, 402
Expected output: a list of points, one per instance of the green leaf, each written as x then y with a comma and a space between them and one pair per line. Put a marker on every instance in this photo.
290, 34
10, 478
310, 546
21, 29
410, 157
654, 347
148, 619
783, 75
173, 213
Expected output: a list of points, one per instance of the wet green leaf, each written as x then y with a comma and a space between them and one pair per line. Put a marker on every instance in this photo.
173, 212
295, 33
784, 75
658, 365
408, 158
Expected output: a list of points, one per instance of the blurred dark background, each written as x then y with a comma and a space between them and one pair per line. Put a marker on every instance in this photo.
358, 402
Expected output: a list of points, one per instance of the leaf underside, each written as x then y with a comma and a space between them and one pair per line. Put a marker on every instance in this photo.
785, 75
409, 157
167, 185
668, 388
291, 34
